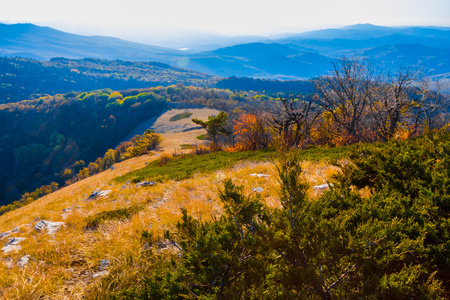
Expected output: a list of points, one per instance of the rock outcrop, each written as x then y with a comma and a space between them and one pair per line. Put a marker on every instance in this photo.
13, 244
97, 193
145, 183
50, 227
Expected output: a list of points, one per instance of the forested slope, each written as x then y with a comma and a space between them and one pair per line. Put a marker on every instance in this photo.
22, 78
41, 137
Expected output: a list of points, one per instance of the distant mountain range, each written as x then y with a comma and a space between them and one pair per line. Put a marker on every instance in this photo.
298, 56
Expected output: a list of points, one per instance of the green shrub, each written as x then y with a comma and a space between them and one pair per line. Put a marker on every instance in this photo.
392, 243
94, 221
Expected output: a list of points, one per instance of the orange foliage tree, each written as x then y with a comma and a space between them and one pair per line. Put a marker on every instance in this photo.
251, 132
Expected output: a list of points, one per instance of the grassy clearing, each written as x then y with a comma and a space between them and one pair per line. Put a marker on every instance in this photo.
180, 168
183, 115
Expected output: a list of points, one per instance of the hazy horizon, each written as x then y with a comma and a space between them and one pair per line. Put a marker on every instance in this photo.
162, 22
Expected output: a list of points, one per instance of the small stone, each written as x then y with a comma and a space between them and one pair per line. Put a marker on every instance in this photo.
162, 245
8, 262
128, 182
145, 183
13, 244
259, 175
14, 230
66, 209
112, 168
23, 261
104, 264
322, 187
257, 189
97, 193
100, 274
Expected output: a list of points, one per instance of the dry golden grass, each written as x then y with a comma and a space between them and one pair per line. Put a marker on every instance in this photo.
62, 265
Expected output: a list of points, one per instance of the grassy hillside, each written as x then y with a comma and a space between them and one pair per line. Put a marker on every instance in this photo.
67, 261
384, 224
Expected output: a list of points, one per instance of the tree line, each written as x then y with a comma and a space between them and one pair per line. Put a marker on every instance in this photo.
353, 104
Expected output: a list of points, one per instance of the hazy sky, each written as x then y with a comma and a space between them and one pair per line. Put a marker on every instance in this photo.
136, 19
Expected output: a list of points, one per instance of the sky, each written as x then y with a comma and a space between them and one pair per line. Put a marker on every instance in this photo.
145, 20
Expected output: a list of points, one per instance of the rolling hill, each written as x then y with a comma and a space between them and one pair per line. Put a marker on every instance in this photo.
299, 56
43, 43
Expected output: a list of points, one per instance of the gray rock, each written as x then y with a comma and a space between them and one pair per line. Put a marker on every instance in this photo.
14, 230
67, 209
112, 168
259, 175
104, 264
257, 189
13, 244
100, 274
50, 227
8, 262
322, 187
23, 261
41, 226
97, 193
145, 183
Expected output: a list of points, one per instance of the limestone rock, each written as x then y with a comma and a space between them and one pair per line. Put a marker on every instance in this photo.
51, 227
14, 230
257, 189
97, 193
104, 264
145, 183
322, 187
13, 244
259, 175
100, 274
8, 262
23, 261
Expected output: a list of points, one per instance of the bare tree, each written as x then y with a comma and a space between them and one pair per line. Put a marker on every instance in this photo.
393, 104
435, 103
294, 118
346, 93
